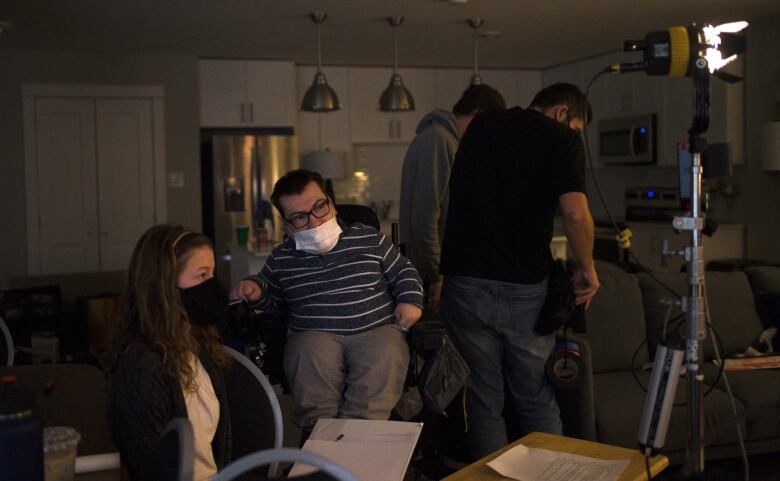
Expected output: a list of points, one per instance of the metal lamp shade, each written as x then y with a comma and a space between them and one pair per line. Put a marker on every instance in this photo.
396, 97
320, 97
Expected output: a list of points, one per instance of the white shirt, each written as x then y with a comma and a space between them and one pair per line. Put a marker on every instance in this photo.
203, 413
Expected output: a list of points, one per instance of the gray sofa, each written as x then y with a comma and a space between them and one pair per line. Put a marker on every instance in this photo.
626, 311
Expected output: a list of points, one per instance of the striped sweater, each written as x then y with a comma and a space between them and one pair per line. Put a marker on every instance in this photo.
352, 288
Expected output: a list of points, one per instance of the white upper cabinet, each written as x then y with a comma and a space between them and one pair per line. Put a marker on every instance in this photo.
422, 84
517, 87
320, 130
271, 93
505, 81
529, 82
450, 83
368, 123
247, 93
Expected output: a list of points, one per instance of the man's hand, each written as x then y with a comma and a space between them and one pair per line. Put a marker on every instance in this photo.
586, 283
434, 293
248, 290
406, 315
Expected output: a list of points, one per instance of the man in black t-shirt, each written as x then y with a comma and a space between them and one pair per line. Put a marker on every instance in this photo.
512, 169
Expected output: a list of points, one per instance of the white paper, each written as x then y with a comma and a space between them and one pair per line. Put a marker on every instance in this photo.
534, 464
371, 450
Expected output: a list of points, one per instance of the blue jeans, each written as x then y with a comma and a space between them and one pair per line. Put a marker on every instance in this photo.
491, 324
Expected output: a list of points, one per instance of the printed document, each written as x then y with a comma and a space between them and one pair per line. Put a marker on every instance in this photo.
371, 450
534, 464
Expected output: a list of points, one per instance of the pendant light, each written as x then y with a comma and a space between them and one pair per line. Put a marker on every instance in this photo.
396, 97
475, 23
320, 97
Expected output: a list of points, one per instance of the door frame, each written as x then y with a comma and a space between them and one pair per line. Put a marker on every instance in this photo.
30, 92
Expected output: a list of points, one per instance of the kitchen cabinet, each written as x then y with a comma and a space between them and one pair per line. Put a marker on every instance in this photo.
324, 130
95, 174
368, 123
518, 87
247, 93
450, 84
529, 82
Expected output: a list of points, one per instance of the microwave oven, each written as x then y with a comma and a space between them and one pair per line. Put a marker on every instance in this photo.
628, 140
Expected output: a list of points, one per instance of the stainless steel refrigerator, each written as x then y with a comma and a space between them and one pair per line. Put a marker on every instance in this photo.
238, 172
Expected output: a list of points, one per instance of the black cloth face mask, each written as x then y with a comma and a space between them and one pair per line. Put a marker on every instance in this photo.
206, 304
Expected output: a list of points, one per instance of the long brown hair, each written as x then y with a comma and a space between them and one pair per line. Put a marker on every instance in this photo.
152, 312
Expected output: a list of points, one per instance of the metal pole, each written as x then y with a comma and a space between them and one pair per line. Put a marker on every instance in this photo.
696, 333
694, 302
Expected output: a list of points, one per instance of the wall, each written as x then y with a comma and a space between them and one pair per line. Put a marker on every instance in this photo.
177, 74
761, 193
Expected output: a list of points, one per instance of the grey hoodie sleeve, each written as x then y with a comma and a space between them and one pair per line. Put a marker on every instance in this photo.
434, 151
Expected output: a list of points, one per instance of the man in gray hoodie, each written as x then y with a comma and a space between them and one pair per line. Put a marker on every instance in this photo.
425, 180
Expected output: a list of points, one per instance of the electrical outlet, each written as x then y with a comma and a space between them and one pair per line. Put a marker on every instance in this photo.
176, 180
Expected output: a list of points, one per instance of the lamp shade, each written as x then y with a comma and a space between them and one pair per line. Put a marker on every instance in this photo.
770, 146
396, 97
320, 97
330, 164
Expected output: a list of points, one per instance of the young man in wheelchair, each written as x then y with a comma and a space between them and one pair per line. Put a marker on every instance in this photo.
350, 298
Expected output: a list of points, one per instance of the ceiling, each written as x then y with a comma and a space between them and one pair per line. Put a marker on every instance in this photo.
534, 34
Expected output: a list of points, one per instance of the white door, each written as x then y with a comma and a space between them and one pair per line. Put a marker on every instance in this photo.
67, 187
125, 172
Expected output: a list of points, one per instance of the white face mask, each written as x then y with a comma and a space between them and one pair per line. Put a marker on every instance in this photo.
320, 239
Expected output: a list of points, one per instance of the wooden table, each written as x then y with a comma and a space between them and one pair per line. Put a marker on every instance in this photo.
635, 471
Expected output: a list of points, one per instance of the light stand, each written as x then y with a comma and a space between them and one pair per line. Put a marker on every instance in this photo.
693, 304
694, 52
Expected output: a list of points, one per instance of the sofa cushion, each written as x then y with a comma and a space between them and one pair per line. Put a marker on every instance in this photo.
615, 320
732, 309
764, 279
759, 391
619, 402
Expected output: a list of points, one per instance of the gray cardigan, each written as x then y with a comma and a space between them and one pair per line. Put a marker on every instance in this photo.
143, 398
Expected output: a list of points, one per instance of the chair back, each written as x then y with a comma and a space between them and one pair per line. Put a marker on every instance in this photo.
174, 455
351, 213
6, 345
255, 414
330, 469
69, 395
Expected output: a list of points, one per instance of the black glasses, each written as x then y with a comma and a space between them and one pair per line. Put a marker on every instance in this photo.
301, 219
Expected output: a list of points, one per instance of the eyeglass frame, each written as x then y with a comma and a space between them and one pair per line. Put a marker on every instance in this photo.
318, 204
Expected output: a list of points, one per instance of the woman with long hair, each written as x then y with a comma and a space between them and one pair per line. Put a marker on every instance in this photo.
166, 360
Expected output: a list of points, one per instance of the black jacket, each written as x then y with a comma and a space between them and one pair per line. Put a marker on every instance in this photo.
143, 398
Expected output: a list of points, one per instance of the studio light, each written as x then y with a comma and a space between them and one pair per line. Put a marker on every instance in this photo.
696, 52
675, 51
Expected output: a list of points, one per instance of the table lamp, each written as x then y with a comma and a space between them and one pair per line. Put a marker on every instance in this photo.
331, 164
